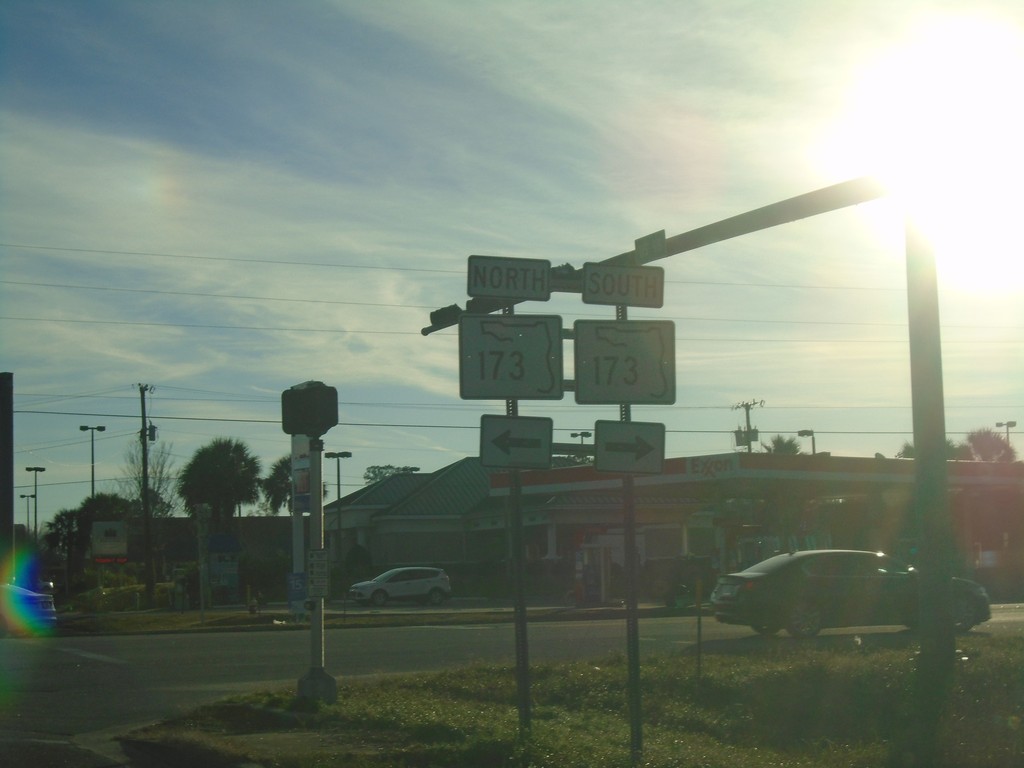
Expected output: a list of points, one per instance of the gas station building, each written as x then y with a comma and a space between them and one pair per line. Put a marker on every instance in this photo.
736, 509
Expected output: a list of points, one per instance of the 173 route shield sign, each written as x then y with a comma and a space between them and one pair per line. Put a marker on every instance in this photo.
508, 357
625, 362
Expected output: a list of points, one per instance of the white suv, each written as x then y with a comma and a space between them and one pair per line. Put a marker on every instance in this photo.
426, 585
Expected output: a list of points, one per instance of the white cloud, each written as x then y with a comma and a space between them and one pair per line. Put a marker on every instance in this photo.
249, 198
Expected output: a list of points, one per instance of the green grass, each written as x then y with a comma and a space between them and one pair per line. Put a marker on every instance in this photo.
784, 704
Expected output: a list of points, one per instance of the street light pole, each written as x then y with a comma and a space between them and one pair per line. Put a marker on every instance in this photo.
92, 455
35, 495
28, 520
581, 435
338, 456
1006, 424
809, 433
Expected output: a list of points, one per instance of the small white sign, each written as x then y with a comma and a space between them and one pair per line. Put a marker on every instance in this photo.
515, 442
629, 446
318, 573
110, 539
503, 278
623, 286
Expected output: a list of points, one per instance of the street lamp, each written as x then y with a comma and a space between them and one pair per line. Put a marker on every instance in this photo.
1007, 424
809, 433
35, 495
26, 497
92, 454
581, 435
338, 456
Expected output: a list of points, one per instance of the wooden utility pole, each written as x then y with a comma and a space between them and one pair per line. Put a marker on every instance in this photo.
147, 545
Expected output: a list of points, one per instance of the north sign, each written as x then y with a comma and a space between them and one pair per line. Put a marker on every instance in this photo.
502, 278
629, 446
509, 357
625, 362
623, 286
509, 442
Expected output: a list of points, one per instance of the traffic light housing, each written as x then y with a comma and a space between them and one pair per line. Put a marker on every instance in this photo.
309, 409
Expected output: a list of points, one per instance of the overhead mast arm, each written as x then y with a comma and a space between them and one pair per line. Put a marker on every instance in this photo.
842, 195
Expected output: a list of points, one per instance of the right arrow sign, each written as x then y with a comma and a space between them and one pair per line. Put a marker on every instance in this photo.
629, 446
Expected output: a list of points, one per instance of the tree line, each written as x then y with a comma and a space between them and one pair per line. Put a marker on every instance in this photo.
984, 444
225, 476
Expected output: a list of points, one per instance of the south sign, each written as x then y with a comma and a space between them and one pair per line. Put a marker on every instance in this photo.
623, 286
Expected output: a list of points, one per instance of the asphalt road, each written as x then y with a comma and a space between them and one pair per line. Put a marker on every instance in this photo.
61, 693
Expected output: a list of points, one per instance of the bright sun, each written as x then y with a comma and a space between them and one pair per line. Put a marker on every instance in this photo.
940, 121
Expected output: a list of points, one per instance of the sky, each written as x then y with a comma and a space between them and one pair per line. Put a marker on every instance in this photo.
223, 200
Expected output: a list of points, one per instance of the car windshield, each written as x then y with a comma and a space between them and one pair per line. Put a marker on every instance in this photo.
387, 575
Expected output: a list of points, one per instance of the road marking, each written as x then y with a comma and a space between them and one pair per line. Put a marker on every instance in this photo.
94, 656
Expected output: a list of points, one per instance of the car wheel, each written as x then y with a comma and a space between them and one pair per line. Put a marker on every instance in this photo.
766, 630
963, 615
804, 620
435, 597
379, 597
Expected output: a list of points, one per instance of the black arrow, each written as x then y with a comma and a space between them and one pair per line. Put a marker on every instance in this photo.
505, 442
640, 447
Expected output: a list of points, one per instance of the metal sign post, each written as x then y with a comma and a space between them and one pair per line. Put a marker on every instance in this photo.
311, 409
519, 606
317, 684
662, 372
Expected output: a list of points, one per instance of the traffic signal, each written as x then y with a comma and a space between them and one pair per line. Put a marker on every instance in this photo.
309, 409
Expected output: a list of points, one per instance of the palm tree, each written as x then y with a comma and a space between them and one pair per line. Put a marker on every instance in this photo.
954, 451
382, 471
988, 445
982, 444
787, 446
222, 474
277, 485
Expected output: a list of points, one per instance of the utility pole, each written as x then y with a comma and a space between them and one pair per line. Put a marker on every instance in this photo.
932, 520
147, 552
7, 544
748, 434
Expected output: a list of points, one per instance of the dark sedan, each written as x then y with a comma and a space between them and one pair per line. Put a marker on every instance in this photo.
24, 612
805, 592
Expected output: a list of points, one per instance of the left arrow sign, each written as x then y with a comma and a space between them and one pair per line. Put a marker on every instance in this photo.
505, 442
511, 442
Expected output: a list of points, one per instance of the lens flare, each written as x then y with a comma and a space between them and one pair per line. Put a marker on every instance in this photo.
22, 611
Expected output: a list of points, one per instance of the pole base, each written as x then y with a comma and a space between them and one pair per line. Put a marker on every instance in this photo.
317, 685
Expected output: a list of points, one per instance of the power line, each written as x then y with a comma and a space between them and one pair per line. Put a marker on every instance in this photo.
385, 305
234, 259
202, 295
282, 262
290, 329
